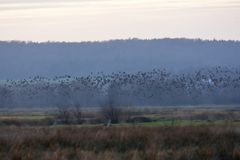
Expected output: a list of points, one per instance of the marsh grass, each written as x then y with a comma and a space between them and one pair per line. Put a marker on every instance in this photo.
120, 142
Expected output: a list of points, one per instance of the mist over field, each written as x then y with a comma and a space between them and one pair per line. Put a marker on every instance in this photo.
130, 72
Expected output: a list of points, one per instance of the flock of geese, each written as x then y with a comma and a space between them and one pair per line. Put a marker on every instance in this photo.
157, 87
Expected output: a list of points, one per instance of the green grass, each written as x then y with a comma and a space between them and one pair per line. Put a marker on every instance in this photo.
168, 122
161, 116
26, 117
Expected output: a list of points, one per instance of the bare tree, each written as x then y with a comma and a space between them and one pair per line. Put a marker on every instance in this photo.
77, 112
111, 113
64, 115
110, 110
5, 96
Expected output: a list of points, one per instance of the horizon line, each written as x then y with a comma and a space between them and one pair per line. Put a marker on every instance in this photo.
122, 39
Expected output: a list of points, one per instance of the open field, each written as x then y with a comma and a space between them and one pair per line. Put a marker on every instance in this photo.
143, 133
150, 116
116, 143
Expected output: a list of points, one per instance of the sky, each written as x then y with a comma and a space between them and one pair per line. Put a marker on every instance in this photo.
97, 20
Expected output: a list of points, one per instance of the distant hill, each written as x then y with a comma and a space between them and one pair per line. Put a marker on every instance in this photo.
20, 60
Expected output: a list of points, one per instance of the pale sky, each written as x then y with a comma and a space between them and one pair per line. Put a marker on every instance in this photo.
89, 20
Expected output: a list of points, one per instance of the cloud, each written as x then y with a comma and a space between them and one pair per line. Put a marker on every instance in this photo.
36, 4
161, 4
107, 19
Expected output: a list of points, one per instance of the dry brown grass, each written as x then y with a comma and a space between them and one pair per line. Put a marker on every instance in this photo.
120, 143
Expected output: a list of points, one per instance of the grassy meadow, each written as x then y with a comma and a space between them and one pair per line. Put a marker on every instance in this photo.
142, 133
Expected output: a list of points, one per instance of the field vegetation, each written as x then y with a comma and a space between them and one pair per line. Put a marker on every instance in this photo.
120, 142
141, 133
